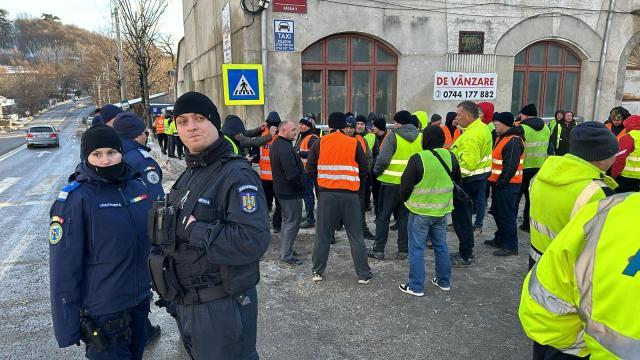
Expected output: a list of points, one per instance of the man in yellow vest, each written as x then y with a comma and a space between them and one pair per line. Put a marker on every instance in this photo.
566, 183
626, 169
427, 191
536, 136
473, 151
581, 298
396, 149
363, 128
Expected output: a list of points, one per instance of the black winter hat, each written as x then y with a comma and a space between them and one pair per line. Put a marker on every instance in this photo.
529, 110
233, 125
451, 115
273, 119
306, 121
99, 136
402, 117
380, 123
108, 112
337, 121
592, 141
195, 102
505, 118
128, 125
362, 119
432, 137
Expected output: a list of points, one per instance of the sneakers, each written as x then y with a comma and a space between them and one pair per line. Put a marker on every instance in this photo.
407, 290
366, 280
375, 255
317, 277
493, 243
307, 225
477, 231
434, 281
524, 228
292, 261
401, 256
457, 260
505, 252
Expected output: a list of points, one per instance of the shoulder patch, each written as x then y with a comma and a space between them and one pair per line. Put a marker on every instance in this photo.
144, 153
64, 193
153, 177
248, 198
55, 233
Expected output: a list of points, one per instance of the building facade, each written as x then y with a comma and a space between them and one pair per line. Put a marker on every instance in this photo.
381, 56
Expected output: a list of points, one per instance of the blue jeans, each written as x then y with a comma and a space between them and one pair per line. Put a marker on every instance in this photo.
309, 198
422, 228
479, 202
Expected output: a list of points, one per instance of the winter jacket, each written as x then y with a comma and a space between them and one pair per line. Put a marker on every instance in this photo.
312, 140
137, 156
627, 145
98, 249
287, 170
388, 146
511, 153
561, 146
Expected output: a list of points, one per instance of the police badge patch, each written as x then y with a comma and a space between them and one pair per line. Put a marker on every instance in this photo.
55, 233
248, 196
153, 177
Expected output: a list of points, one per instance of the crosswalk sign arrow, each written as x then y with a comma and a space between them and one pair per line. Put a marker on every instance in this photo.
243, 88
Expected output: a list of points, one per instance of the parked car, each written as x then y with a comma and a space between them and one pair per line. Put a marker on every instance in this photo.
44, 135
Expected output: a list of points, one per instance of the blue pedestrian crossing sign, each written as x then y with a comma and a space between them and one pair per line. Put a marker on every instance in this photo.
243, 84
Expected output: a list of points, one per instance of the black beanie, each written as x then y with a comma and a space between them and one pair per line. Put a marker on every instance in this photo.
273, 119
432, 137
505, 118
99, 136
233, 125
195, 102
128, 125
592, 141
402, 117
529, 110
380, 123
362, 119
337, 121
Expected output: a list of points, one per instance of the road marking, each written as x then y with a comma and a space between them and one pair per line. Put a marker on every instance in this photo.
15, 254
12, 152
40, 153
7, 183
25, 203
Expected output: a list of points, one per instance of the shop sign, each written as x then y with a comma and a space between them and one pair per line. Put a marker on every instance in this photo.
284, 35
464, 86
290, 6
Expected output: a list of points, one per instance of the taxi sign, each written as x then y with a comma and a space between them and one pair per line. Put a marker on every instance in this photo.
243, 84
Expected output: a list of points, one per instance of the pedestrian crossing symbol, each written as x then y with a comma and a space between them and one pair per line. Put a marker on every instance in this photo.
243, 84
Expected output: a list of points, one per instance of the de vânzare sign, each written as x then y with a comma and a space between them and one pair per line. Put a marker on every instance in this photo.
464, 86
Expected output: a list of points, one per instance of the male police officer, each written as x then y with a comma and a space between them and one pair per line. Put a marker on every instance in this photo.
211, 266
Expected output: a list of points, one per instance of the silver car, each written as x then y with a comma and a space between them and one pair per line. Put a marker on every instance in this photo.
44, 135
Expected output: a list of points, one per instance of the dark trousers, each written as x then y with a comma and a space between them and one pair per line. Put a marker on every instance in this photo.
222, 329
627, 184
388, 202
162, 142
367, 191
179, 146
363, 206
171, 146
375, 191
546, 352
462, 216
276, 222
132, 349
332, 207
527, 176
309, 198
505, 212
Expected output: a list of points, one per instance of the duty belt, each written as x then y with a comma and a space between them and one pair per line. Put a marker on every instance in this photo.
194, 296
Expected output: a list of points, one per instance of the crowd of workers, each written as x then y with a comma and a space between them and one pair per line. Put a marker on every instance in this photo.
431, 174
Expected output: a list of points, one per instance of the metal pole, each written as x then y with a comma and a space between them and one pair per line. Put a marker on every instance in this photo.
603, 58
265, 72
116, 15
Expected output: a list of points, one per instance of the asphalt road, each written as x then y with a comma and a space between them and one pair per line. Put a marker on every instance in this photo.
299, 319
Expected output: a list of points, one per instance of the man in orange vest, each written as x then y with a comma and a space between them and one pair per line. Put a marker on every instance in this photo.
617, 116
340, 167
505, 180
273, 119
350, 130
160, 135
451, 130
305, 141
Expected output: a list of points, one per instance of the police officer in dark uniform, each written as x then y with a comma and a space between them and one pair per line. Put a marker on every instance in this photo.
98, 253
213, 230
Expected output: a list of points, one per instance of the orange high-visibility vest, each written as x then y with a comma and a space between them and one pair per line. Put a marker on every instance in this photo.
619, 136
304, 146
337, 166
265, 162
363, 144
496, 163
448, 139
160, 125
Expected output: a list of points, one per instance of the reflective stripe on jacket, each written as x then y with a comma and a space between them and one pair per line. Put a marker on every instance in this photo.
400, 158
632, 163
497, 165
473, 149
537, 145
265, 162
433, 195
233, 144
582, 296
337, 166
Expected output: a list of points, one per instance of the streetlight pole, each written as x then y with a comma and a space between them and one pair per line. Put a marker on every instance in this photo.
116, 15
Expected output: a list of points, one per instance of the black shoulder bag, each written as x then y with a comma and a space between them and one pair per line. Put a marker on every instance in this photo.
458, 192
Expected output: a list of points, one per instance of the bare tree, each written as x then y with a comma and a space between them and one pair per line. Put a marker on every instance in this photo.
140, 20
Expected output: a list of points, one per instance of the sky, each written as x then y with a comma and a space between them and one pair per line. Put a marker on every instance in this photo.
92, 15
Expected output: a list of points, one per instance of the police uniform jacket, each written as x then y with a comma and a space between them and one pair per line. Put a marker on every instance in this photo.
98, 249
232, 226
137, 156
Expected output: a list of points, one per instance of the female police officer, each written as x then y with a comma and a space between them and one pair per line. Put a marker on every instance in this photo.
98, 253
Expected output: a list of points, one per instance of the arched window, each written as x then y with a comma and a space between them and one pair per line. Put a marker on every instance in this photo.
348, 72
546, 74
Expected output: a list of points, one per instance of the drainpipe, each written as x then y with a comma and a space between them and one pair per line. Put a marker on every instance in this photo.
603, 57
265, 73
